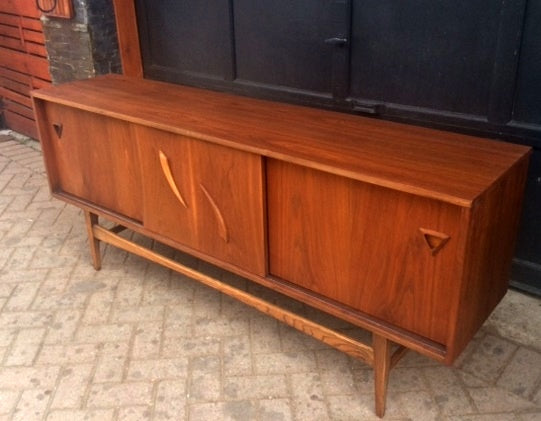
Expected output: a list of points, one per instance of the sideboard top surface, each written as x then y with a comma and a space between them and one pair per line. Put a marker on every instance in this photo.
446, 166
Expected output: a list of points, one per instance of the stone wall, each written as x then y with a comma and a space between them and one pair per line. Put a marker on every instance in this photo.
84, 46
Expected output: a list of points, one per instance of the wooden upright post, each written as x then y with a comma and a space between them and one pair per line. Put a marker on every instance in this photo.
382, 367
91, 219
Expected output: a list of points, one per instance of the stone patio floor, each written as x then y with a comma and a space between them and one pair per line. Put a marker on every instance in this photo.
135, 341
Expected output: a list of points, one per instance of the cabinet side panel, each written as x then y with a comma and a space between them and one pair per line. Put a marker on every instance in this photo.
389, 254
494, 223
45, 141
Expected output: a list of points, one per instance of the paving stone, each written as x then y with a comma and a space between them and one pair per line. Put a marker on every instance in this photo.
237, 358
21, 353
489, 358
128, 295
533, 416
332, 359
18, 229
491, 417
198, 346
63, 326
255, 387
517, 318
207, 326
234, 309
68, 354
20, 257
448, 391
72, 387
103, 333
56, 281
134, 413
205, 364
537, 397
22, 296
265, 335
470, 380
498, 400
32, 405
148, 340
120, 394
49, 259
158, 369
308, 399
139, 314
161, 294
224, 411
295, 341
81, 415
112, 362
8, 399
338, 382
523, 374
64, 300
22, 241
25, 319
179, 315
205, 387
353, 407
275, 410
20, 275
7, 336
31, 335
99, 307
291, 362
419, 406
171, 390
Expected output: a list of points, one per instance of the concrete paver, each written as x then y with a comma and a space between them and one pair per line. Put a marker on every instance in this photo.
137, 342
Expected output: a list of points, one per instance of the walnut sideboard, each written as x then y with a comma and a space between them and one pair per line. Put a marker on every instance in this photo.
404, 231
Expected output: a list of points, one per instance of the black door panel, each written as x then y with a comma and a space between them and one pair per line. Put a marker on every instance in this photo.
186, 39
277, 41
429, 54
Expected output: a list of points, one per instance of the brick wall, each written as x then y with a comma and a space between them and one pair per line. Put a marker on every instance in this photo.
84, 46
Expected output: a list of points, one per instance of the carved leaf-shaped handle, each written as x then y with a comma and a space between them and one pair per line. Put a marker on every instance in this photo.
224, 233
164, 162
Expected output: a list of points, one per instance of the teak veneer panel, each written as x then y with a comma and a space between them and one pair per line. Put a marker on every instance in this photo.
220, 210
93, 158
362, 245
441, 165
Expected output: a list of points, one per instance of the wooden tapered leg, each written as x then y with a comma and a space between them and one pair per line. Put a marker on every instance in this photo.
91, 220
382, 367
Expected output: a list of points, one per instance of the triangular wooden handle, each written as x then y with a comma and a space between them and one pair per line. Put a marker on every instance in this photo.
434, 240
58, 128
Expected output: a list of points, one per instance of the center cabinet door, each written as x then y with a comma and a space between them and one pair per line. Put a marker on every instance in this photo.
204, 196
